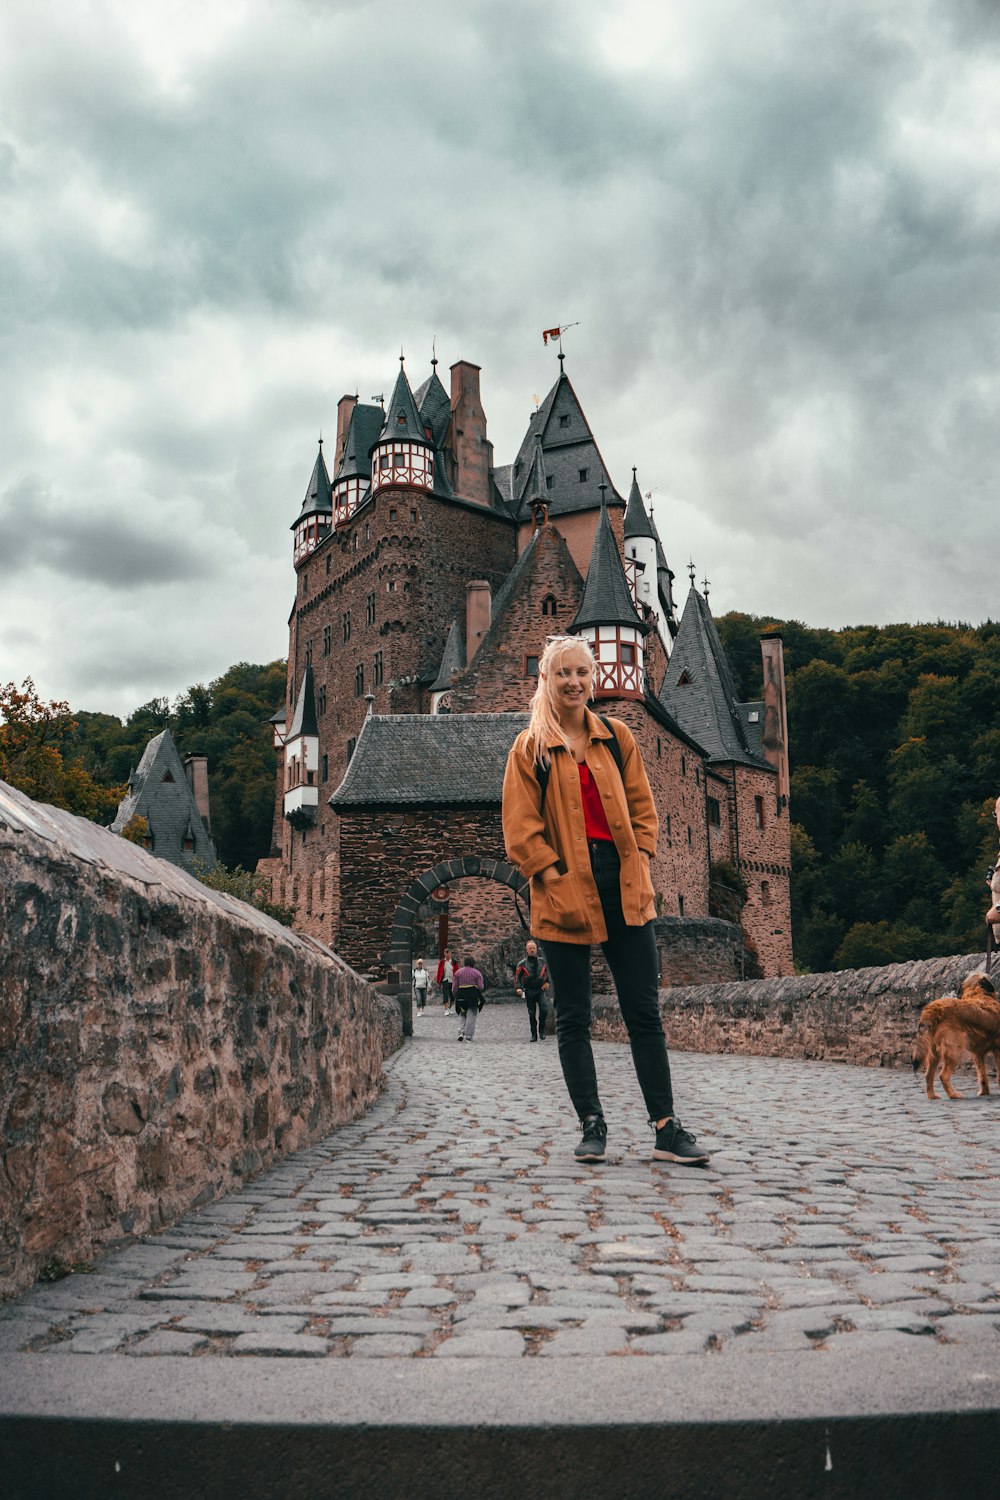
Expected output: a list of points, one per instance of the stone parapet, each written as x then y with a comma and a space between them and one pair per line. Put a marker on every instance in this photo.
159, 1042
862, 1016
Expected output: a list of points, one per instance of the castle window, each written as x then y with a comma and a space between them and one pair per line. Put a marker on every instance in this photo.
680, 904
354, 542
758, 812
531, 666
765, 892
390, 587
327, 639
549, 481
685, 679
684, 765
377, 669
321, 700
167, 776
583, 475
659, 747
346, 622
359, 680
697, 775
187, 844
668, 828
564, 420
383, 460
392, 513
370, 609
324, 767
368, 532
401, 419
549, 605
689, 835
413, 515
398, 460
309, 653
628, 653
305, 581
714, 812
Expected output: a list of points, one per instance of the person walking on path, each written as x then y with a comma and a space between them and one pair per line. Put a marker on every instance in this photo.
445, 975
467, 988
580, 823
532, 980
420, 981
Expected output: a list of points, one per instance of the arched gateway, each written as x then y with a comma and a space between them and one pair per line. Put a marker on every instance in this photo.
399, 954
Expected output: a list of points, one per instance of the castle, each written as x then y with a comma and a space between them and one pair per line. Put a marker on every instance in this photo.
427, 581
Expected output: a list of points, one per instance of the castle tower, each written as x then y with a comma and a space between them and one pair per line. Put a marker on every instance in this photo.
608, 620
301, 796
403, 457
315, 519
640, 551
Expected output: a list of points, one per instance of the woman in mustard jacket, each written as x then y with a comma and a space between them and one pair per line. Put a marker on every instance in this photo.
583, 832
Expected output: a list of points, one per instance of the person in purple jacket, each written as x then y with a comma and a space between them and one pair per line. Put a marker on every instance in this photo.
467, 990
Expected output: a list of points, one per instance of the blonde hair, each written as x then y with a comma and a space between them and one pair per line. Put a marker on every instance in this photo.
544, 726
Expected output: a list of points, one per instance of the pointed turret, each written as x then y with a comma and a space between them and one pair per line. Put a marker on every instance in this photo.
302, 758
608, 620
699, 690
640, 551
315, 519
353, 480
404, 453
159, 792
452, 661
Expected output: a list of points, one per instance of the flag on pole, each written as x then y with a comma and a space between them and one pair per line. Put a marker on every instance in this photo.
550, 333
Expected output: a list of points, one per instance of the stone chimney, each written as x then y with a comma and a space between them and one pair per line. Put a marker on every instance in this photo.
345, 407
478, 601
467, 435
196, 767
774, 736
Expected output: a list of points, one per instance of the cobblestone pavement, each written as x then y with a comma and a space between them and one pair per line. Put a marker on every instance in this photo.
841, 1207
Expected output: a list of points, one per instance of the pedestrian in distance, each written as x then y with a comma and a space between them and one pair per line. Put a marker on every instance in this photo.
445, 975
580, 824
421, 979
468, 988
531, 978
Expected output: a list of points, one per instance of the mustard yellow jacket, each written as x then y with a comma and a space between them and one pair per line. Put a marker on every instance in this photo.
568, 909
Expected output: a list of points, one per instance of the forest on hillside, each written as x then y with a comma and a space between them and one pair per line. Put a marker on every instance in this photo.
895, 762
895, 766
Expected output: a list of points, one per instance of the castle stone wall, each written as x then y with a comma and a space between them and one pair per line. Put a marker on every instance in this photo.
159, 1042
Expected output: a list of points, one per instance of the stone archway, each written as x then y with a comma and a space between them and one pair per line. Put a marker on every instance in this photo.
399, 954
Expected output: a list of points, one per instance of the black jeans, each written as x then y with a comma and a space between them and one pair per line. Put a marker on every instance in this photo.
632, 959
531, 1001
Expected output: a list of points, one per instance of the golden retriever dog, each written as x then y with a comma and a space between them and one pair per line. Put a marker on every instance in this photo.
951, 1028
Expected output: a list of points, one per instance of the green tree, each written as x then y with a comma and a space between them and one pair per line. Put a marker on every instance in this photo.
36, 755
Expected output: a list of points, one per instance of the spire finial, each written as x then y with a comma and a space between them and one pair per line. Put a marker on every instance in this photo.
321, 437
562, 360
401, 356
603, 488
434, 353
634, 479
704, 585
692, 570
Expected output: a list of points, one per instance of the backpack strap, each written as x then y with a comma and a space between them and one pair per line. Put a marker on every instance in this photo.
543, 772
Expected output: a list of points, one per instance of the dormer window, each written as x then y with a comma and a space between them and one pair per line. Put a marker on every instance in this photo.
583, 475
549, 481
550, 605
685, 679
564, 420
167, 776
401, 419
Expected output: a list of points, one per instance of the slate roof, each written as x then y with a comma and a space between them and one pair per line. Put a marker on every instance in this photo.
607, 598
402, 419
304, 717
637, 520
434, 406
706, 707
160, 792
319, 495
362, 435
568, 447
412, 759
452, 659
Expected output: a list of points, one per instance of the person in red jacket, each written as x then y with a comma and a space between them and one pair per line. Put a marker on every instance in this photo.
445, 974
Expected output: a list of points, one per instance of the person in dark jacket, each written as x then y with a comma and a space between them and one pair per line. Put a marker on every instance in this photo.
467, 988
531, 978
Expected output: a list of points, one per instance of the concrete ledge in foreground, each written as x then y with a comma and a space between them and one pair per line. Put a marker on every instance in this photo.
752, 1427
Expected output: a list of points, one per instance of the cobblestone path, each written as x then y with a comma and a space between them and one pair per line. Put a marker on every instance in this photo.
452, 1221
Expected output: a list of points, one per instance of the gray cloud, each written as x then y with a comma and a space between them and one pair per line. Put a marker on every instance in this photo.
778, 229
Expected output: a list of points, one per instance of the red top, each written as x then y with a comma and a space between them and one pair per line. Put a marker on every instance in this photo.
594, 817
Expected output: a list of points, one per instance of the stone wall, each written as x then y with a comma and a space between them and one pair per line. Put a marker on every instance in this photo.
862, 1016
159, 1042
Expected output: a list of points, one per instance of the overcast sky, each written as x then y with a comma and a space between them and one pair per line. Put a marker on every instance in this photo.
777, 225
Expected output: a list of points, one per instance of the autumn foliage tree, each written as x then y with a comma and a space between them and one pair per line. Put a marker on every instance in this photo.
38, 757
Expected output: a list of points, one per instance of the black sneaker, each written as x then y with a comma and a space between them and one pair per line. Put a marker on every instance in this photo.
674, 1143
592, 1144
